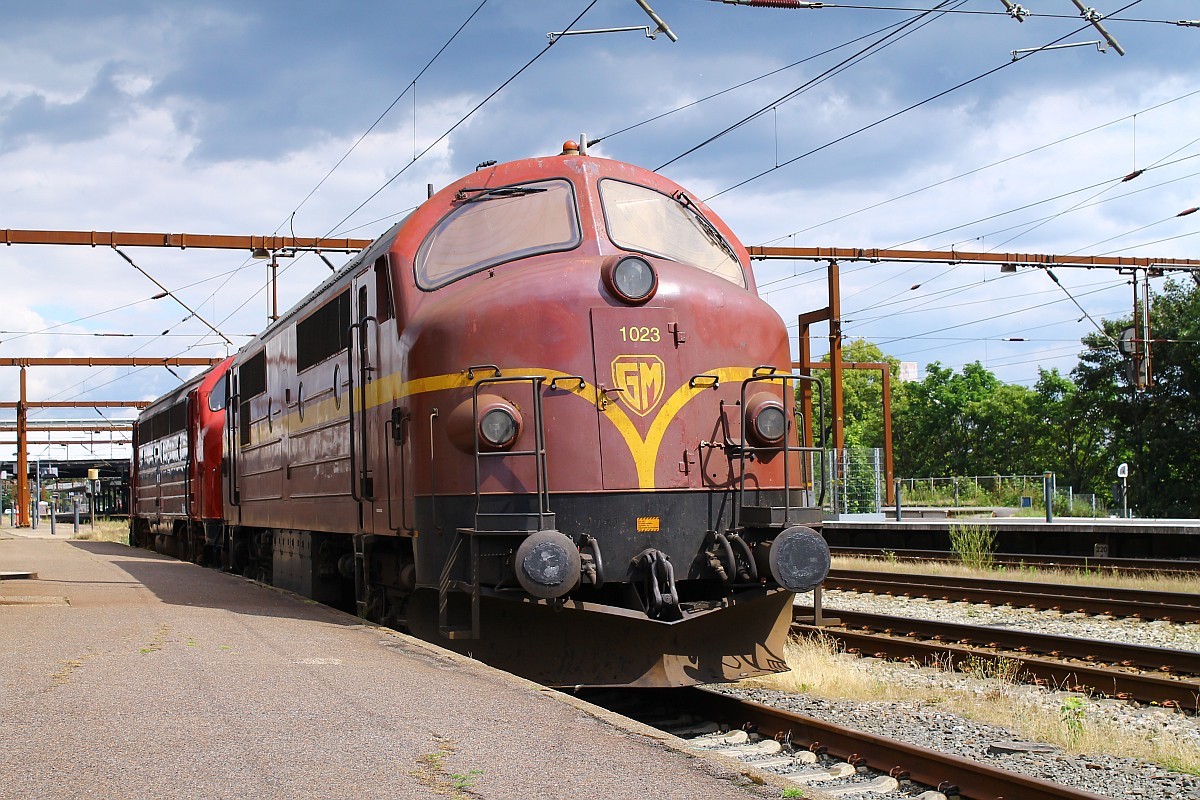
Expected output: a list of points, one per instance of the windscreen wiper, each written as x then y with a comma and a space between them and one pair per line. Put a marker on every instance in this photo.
475, 195
713, 234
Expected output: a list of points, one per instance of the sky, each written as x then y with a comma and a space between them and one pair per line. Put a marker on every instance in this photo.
883, 126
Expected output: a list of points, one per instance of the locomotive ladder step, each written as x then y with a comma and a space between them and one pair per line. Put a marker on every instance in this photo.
447, 585
778, 517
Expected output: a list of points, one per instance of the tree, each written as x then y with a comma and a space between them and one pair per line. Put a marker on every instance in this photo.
862, 394
1156, 431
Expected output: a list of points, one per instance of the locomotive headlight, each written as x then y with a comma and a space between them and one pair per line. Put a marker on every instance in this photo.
630, 278
498, 426
767, 419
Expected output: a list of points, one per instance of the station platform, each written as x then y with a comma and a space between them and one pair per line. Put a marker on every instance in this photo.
126, 674
1066, 536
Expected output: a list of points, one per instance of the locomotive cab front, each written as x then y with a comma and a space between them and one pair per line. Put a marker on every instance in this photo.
599, 432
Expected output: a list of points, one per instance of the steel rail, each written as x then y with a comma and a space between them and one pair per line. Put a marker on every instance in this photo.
1182, 566
902, 760
1147, 596
1186, 662
1141, 686
1173, 606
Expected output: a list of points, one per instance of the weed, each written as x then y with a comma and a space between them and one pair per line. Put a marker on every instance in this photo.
1072, 713
464, 781
432, 772
891, 557
975, 545
792, 791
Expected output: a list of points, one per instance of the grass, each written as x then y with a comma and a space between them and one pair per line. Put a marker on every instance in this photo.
1099, 576
432, 772
994, 697
975, 545
105, 530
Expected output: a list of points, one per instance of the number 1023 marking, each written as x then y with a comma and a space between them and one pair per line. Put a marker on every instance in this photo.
642, 333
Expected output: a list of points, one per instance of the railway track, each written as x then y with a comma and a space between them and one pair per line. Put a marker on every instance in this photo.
1172, 606
1134, 672
1120, 565
836, 760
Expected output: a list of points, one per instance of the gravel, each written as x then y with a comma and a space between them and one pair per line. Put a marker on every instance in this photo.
929, 726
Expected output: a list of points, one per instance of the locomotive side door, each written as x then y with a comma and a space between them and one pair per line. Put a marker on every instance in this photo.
365, 405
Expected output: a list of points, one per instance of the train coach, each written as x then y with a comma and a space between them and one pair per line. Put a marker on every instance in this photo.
545, 420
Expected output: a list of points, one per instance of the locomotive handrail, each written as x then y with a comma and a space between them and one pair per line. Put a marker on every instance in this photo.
387, 469
472, 369
715, 381
232, 405
580, 378
365, 369
770, 370
539, 445
358, 481
746, 449
354, 494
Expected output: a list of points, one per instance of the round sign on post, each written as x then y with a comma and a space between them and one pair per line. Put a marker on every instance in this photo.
1127, 343
1123, 473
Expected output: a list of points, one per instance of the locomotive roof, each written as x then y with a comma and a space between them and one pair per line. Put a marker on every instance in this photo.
365, 256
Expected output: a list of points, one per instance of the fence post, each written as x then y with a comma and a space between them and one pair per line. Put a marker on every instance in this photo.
899, 514
1048, 494
878, 482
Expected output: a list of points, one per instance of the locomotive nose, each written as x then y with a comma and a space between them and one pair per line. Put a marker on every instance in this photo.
799, 559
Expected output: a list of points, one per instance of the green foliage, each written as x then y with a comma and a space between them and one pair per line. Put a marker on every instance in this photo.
1157, 431
862, 394
1080, 426
975, 545
792, 791
461, 781
1072, 712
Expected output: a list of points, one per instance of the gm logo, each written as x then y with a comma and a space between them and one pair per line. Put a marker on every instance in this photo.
642, 379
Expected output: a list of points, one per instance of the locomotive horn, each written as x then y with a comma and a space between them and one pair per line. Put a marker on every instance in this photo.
548, 565
799, 559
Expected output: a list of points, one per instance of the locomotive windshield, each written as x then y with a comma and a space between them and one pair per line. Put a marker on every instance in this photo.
671, 227
492, 226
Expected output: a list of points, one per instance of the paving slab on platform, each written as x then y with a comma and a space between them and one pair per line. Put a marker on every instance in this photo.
125, 674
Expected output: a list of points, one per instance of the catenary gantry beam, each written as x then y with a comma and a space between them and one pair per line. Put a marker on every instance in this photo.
955, 257
182, 241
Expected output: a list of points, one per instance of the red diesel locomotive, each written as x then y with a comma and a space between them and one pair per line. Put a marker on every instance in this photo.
176, 483
544, 420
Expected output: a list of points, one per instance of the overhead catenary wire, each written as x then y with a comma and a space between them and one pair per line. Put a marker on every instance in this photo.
870, 49
412, 85
815, 5
735, 87
435, 143
894, 115
976, 170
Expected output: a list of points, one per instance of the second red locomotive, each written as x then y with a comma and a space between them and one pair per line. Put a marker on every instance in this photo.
545, 420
